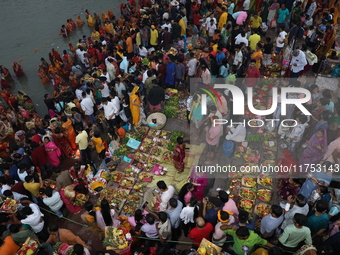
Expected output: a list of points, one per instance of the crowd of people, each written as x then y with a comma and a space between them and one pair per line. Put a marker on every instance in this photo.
113, 78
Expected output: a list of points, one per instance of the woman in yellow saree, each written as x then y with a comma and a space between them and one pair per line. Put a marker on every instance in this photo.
95, 35
80, 23
135, 105
257, 55
90, 21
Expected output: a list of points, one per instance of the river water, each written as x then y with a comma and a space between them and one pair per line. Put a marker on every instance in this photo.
30, 30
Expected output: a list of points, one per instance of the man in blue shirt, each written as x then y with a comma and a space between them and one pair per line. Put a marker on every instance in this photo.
282, 16
174, 211
211, 214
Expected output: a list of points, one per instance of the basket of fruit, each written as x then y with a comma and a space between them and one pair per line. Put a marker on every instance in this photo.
9, 206
30, 247
116, 240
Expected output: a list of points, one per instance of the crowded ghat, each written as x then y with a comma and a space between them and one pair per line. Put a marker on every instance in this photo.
139, 151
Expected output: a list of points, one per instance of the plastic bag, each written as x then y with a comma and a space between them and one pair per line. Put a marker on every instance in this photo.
122, 115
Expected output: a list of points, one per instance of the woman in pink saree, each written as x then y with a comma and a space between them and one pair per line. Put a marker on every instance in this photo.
316, 149
199, 180
53, 152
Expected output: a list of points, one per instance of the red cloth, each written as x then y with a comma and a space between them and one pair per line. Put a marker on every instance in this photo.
36, 139
197, 234
19, 188
39, 156
253, 75
197, 18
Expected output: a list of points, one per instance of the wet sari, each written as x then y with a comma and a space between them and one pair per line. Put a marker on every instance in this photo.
56, 55
104, 17
73, 24
90, 21
134, 98
17, 69
178, 158
110, 14
43, 76
80, 23
70, 133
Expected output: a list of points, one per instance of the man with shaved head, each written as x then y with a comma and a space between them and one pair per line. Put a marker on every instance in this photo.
202, 230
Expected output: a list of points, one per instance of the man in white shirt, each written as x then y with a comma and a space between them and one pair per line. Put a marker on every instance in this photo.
115, 100
246, 4
297, 63
110, 111
145, 73
211, 17
34, 217
168, 25
53, 201
241, 38
300, 206
143, 52
111, 69
192, 65
80, 54
280, 40
211, 27
167, 192
119, 86
87, 106
238, 60
104, 87
236, 134
79, 92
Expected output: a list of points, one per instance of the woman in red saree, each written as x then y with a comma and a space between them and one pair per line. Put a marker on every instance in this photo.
18, 70
179, 155
67, 59
53, 152
56, 55
5, 77
62, 142
73, 198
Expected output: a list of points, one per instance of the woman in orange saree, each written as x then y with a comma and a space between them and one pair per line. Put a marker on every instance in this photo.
80, 23
104, 17
69, 131
74, 26
257, 55
69, 25
111, 15
43, 76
